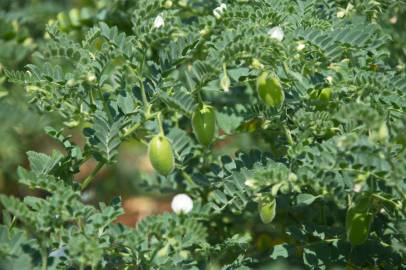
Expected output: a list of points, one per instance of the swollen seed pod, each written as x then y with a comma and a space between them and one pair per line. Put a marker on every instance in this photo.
325, 94
161, 155
204, 124
270, 90
267, 211
358, 231
358, 221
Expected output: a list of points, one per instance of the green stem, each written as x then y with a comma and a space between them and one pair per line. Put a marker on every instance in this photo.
288, 135
286, 68
379, 197
199, 99
105, 105
161, 129
143, 142
91, 96
144, 95
358, 171
44, 259
12, 222
90, 178
132, 129
206, 155
188, 179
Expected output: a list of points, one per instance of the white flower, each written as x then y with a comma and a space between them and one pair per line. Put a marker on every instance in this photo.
159, 21
300, 46
219, 10
276, 33
60, 252
182, 203
393, 20
329, 79
91, 77
250, 182
341, 14
357, 188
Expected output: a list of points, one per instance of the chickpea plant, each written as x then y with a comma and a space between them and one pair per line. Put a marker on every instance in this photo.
303, 88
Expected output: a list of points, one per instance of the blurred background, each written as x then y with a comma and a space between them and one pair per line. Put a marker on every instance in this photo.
22, 32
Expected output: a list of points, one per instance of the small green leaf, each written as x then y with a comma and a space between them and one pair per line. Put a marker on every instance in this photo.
306, 199
281, 251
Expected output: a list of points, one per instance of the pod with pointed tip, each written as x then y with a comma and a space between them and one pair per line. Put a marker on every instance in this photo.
270, 90
204, 124
325, 94
358, 222
321, 97
267, 211
161, 155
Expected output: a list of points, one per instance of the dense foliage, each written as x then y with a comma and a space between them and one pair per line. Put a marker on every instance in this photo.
308, 92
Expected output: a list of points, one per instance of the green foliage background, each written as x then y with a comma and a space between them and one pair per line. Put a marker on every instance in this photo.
101, 71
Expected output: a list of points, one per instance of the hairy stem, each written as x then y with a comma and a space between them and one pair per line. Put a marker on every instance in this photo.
90, 178
105, 105
144, 95
188, 179
383, 199
132, 129
161, 128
